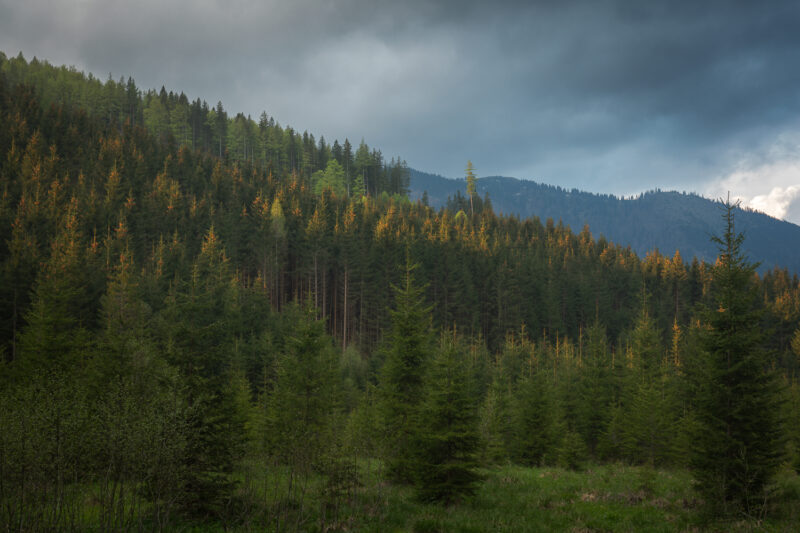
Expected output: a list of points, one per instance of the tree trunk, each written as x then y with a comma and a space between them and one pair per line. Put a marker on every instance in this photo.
344, 319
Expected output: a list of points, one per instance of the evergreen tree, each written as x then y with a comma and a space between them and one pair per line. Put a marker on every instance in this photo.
364, 168
738, 445
496, 424
199, 323
572, 451
650, 423
138, 408
533, 421
56, 335
595, 393
407, 352
471, 188
449, 440
304, 395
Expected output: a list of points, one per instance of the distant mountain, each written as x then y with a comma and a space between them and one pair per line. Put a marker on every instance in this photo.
667, 221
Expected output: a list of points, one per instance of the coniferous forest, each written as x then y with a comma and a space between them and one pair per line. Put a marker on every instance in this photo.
213, 322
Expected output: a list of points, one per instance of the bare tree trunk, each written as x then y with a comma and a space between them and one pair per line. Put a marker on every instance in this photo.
324, 292
344, 319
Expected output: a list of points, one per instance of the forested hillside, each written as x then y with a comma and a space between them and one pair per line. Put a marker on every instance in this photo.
662, 220
211, 320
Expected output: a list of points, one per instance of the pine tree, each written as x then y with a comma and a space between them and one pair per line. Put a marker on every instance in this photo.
533, 414
139, 416
496, 425
304, 395
446, 464
738, 446
650, 423
595, 393
471, 188
198, 323
408, 350
56, 335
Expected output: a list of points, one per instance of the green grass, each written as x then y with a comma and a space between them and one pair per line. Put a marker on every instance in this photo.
601, 498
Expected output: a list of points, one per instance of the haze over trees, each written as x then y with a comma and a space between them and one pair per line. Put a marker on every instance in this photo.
210, 320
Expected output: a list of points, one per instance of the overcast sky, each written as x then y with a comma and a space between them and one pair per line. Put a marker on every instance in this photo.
607, 96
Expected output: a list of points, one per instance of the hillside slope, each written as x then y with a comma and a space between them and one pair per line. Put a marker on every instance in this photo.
668, 221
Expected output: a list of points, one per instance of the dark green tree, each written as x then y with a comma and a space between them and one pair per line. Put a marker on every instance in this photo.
304, 395
738, 446
595, 391
533, 414
408, 349
198, 323
446, 464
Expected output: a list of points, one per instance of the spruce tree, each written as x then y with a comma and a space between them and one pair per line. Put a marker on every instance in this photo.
534, 421
303, 399
197, 326
446, 464
495, 424
738, 446
408, 350
595, 391
471, 188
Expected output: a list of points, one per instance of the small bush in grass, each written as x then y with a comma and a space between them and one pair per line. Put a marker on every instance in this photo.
572, 452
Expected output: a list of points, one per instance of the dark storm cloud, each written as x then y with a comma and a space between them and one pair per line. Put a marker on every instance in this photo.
607, 95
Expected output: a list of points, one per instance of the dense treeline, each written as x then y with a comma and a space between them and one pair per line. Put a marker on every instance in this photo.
172, 119
664, 220
184, 312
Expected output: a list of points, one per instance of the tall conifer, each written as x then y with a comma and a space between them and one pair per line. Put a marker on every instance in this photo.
738, 446
448, 445
408, 349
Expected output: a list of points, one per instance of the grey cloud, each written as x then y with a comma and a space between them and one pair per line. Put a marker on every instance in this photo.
613, 96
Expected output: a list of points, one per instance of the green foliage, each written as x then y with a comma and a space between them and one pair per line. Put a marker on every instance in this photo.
650, 424
197, 329
738, 445
791, 418
156, 368
408, 351
495, 424
595, 393
354, 374
572, 453
304, 396
333, 178
646, 346
363, 430
615, 442
43, 450
534, 421
446, 463
471, 188
56, 332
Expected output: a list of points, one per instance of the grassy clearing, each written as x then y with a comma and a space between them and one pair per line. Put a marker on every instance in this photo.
601, 498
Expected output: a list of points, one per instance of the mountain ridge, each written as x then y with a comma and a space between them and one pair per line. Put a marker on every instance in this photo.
663, 220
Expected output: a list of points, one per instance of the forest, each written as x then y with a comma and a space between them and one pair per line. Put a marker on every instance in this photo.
656, 219
212, 322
